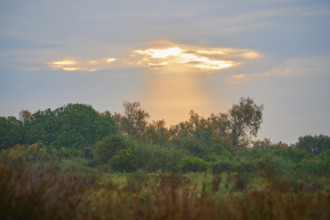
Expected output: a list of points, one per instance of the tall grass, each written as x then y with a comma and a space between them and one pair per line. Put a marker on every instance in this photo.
40, 190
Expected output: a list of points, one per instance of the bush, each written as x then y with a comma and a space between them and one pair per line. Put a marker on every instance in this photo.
124, 161
247, 166
221, 167
26, 153
108, 147
193, 146
193, 164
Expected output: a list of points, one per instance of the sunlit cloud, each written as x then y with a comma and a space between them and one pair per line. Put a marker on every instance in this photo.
290, 68
237, 79
170, 56
72, 64
110, 60
164, 56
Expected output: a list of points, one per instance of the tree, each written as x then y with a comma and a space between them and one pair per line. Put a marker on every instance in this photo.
73, 125
105, 149
314, 144
246, 118
134, 122
25, 115
220, 124
42, 126
10, 132
156, 133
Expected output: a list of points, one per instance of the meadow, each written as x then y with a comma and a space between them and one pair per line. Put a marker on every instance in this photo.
34, 185
76, 163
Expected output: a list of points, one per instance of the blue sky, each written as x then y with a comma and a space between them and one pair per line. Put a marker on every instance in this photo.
172, 56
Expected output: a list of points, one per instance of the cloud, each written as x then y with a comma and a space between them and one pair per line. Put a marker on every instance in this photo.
72, 64
165, 56
283, 71
290, 68
180, 57
14, 43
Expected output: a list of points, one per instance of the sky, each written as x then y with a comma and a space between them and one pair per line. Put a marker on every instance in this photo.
173, 57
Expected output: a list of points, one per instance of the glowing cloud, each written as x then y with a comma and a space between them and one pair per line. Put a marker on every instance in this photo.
71, 64
161, 53
170, 56
165, 56
66, 64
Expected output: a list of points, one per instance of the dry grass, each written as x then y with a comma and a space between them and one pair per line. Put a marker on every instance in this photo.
30, 191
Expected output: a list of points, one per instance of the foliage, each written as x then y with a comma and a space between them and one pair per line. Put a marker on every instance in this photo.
246, 118
151, 158
10, 132
314, 144
73, 162
134, 121
192, 164
27, 154
73, 125
156, 133
108, 147
124, 161
47, 192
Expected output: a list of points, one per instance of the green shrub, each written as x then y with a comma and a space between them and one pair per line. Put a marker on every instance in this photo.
193, 146
222, 166
108, 147
124, 161
193, 164
325, 158
247, 166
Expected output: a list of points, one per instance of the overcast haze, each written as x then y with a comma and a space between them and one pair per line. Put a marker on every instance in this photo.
172, 56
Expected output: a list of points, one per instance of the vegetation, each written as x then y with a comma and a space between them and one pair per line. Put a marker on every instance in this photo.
76, 163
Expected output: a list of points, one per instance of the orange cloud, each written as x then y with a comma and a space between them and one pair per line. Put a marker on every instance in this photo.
71, 64
166, 56
170, 56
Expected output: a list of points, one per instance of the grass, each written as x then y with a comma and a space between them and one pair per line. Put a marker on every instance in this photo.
45, 190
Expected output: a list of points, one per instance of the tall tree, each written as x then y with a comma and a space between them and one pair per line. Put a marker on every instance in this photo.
220, 124
135, 120
246, 118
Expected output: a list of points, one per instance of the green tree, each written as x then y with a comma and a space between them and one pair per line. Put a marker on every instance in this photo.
314, 144
220, 124
246, 118
82, 125
105, 149
73, 125
135, 120
10, 132
42, 126
156, 133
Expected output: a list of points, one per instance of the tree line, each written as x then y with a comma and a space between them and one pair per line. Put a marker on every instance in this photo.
131, 140
77, 125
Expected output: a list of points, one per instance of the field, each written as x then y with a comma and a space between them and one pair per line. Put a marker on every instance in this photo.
35, 186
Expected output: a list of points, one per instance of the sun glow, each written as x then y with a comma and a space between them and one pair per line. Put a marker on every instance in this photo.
171, 96
173, 87
172, 57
